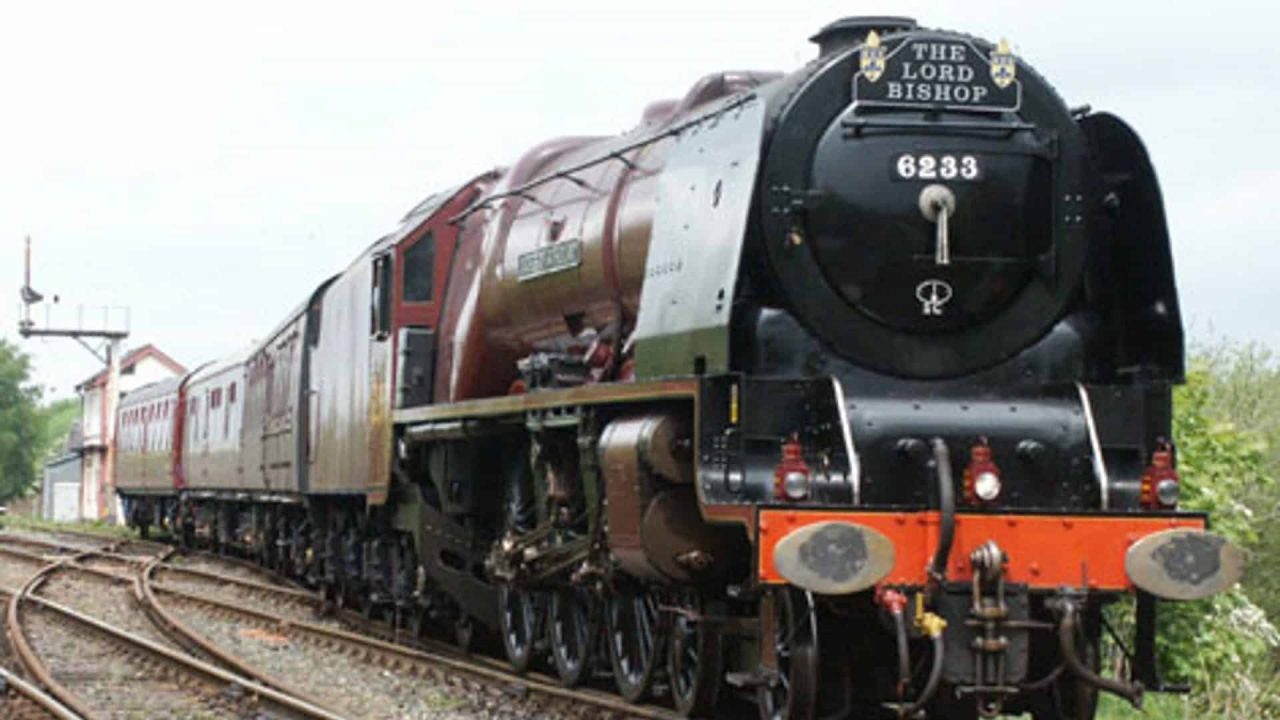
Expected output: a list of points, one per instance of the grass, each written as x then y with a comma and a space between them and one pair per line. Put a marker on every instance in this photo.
1155, 706
97, 527
1238, 698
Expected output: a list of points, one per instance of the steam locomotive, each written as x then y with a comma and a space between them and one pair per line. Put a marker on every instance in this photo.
853, 378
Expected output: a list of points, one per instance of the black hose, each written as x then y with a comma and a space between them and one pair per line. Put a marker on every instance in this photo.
1045, 681
935, 677
1067, 639
947, 504
904, 654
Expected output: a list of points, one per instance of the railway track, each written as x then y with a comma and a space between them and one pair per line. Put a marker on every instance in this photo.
50, 551
202, 616
298, 615
97, 669
238, 616
17, 565
84, 541
20, 700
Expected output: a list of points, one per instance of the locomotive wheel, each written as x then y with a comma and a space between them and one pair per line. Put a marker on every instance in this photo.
694, 660
369, 608
518, 618
418, 621
464, 632
404, 576
187, 532
636, 634
792, 690
267, 552
297, 557
343, 596
518, 608
329, 597
572, 626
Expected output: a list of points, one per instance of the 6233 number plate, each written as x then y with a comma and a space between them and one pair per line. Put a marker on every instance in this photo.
936, 166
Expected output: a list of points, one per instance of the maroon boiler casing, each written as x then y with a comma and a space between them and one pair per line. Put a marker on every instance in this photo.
492, 315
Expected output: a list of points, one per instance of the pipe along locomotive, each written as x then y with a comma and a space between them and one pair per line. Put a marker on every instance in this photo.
846, 390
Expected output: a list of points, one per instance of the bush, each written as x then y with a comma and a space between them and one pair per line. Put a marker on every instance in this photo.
1226, 647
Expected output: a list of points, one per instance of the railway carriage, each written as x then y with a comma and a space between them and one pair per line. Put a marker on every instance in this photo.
212, 456
148, 422
854, 378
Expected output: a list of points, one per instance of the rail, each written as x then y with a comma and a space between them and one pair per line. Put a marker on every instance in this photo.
389, 654
37, 697
210, 675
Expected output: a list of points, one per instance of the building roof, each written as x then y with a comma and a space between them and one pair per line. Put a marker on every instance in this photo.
131, 359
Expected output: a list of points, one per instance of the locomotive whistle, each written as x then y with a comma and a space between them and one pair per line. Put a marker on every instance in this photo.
937, 204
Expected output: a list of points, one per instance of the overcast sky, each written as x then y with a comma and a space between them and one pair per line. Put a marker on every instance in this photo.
207, 164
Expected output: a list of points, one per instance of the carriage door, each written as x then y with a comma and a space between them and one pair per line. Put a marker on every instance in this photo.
422, 262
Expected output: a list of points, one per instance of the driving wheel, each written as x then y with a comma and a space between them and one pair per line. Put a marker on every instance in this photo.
635, 633
518, 618
572, 629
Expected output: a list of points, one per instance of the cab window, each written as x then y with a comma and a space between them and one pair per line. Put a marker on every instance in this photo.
418, 273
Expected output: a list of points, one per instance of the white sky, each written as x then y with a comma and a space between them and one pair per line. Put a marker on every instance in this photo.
208, 164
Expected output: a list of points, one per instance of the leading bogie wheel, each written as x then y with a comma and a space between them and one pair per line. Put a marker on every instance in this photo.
790, 687
636, 637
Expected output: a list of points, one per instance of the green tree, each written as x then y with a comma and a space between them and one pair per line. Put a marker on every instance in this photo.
21, 425
56, 419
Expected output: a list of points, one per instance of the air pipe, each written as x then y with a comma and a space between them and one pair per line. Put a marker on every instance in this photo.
947, 504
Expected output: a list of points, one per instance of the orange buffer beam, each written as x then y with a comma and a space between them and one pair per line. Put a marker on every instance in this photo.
1045, 551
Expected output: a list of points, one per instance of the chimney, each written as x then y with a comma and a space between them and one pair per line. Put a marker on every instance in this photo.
848, 32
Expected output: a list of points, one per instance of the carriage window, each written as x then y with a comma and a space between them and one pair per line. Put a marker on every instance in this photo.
419, 270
